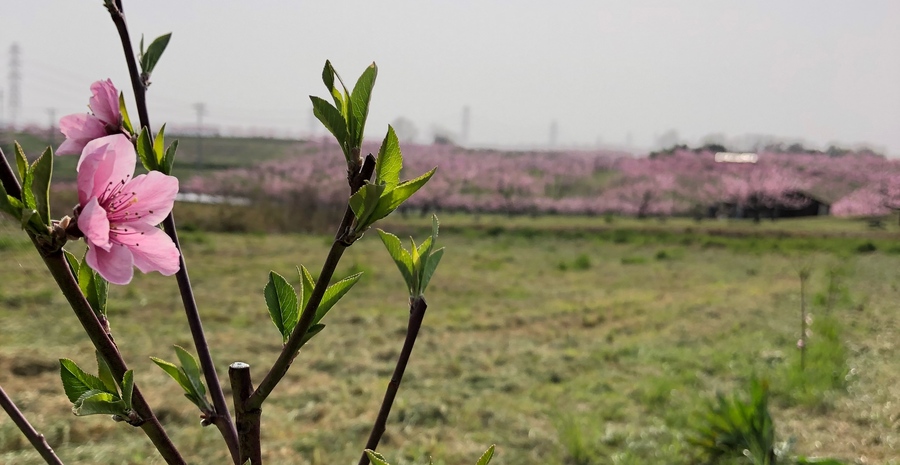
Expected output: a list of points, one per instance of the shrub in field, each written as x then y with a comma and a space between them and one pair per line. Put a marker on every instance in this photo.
117, 214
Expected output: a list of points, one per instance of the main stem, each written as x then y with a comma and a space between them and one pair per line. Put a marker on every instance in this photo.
222, 418
59, 269
37, 440
417, 309
248, 421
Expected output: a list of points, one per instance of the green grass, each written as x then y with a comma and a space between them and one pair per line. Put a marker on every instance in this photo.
610, 358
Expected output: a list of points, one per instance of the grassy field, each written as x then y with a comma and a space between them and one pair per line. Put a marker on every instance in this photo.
562, 340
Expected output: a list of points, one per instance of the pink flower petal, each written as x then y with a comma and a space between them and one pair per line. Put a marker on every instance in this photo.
116, 265
106, 165
93, 223
152, 196
105, 102
153, 250
79, 129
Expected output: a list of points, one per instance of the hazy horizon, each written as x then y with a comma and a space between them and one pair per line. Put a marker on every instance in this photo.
612, 74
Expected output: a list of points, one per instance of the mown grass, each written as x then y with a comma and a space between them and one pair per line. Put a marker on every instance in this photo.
606, 359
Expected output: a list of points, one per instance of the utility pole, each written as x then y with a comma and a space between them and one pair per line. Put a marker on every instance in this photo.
200, 108
14, 77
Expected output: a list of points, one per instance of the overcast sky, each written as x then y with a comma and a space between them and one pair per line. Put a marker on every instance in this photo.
819, 70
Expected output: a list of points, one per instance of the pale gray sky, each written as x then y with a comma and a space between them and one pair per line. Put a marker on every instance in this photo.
820, 70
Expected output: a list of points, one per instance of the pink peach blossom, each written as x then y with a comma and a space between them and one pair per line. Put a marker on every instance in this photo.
119, 212
82, 128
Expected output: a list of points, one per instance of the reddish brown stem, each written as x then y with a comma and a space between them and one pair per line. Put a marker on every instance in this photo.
37, 440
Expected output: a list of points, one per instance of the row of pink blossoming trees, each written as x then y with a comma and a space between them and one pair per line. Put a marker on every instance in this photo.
684, 182
117, 216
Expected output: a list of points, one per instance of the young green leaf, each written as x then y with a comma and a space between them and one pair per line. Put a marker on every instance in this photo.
43, 171
486, 457
151, 57
21, 161
175, 373
306, 287
430, 266
169, 159
76, 382
328, 78
126, 121
333, 294
332, 119
365, 203
360, 98
191, 369
72, 260
128, 388
99, 403
106, 375
281, 299
6, 205
313, 330
395, 197
144, 148
94, 287
376, 458
158, 146
401, 257
390, 160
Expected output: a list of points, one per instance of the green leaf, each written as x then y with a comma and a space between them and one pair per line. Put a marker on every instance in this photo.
169, 159
99, 403
27, 176
486, 457
76, 382
393, 199
175, 373
281, 299
21, 161
313, 330
144, 148
306, 287
191, 369
376, 458
151, 57
332, 119
333, 294
401, 257
128, 388
390, 160
328, 77
72, 260
158, 149
359, 98
431, 265
365, 203
106, 375
126, 121
7, 205
43, 171
94, 287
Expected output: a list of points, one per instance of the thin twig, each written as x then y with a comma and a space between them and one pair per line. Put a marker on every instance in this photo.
417, 309
222, 418
296, 339
62, 273
37, 440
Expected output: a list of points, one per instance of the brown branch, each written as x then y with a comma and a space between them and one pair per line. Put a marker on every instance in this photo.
37, 440
417, 309
248, 421
59, 269
222, 418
